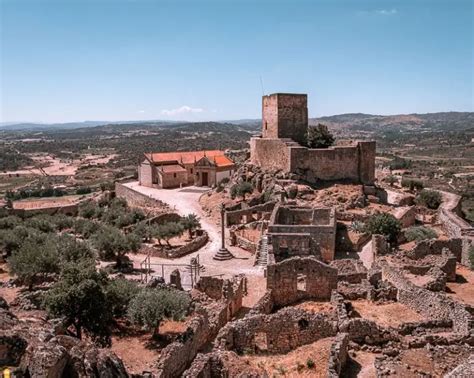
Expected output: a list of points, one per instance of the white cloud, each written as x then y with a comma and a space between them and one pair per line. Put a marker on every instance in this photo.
386, 12
141, 111
379, 12
181, 110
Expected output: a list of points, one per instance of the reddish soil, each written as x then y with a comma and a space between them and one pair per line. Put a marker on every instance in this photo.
138, 351
463, 288
361, 365
386, 314
46, 202
316, 307
295, 363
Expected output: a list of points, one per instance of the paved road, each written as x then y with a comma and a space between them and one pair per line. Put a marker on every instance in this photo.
186, 201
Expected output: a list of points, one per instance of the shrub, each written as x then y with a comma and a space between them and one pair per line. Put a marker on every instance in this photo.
471, 256
120, 292
9, 222
190, 223
41, 223
420, 233
89, 210
429, 198
241, 189
400, 163
319, 137
310, 363
391, 180
384, 224
83, 190
151, 306
412, 184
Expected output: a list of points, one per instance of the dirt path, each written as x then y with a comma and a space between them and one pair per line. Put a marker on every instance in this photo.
186, 201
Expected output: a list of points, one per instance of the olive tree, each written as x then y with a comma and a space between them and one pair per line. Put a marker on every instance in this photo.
80, 298
151, 306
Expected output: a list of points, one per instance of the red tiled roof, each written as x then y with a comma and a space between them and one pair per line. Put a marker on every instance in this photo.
222, 161
172, 168
188, 157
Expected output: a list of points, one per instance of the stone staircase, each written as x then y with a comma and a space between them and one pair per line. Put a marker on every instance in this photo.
261, 258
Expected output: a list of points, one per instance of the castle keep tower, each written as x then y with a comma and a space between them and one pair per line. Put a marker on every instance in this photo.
282, 145
285, 115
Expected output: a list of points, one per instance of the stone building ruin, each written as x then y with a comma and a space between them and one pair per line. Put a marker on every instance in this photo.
281, 145
299, 231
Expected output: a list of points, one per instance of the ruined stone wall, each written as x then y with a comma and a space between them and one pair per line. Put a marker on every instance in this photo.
282, 279
427, 303
236, 216
338, 355
135, 198
435, 247
277, 333
456, 227
176, 357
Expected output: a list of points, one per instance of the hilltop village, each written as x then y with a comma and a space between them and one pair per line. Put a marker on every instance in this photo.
301, 259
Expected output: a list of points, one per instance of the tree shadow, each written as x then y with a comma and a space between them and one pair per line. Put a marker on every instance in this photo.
352, 369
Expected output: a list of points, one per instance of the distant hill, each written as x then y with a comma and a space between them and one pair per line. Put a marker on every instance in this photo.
351, 122
447, 121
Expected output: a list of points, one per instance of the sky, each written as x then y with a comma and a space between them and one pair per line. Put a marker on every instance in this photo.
116, 60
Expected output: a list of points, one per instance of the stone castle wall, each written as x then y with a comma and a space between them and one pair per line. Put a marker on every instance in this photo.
355, 162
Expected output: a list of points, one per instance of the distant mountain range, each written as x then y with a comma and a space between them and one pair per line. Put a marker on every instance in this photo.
452, 121
446, 121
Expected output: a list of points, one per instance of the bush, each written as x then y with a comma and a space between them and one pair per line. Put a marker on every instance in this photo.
319, 137
420, 233
9, 222
391, 180
429, 198
241, 189
120, 292
400, 163
42, 223
471, 256
384, 224
151, 306
412, 184
310, 363
89, 210
84, 190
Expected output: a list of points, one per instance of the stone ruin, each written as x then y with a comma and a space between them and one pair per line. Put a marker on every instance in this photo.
302, 231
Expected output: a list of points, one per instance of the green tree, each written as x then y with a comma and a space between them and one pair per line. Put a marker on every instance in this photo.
384, 224
391, 180
167, 231
191, 222
36, 255
112, 244
120, 292
319, 137
241, 189
429, 198
151, 306
80, 298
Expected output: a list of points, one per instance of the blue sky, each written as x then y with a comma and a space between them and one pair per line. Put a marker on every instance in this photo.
75, 60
